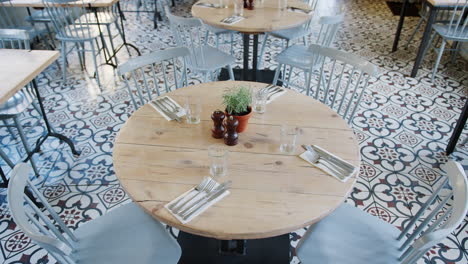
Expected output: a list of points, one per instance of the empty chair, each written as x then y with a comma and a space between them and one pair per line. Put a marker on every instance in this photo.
74, 26
455, 30
299, 57
340, 79
188, 32
220, 33
290, 34
19, 102
349, 235
159, 65
124, 235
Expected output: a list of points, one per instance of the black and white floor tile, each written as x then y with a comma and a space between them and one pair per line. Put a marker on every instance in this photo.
403, 126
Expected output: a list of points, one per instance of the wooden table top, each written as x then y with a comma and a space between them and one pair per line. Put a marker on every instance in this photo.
19, 67
446, 2
38, 3
272, 193
259, 20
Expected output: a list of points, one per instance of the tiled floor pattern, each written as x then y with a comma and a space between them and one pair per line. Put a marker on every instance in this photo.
403, 126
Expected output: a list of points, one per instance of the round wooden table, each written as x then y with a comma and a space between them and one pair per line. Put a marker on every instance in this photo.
260, 20
272, 193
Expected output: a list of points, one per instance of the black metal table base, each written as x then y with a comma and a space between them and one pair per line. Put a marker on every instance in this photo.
198, 249
461, 122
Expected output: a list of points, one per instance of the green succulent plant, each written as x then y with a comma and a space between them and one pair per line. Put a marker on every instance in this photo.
237, 100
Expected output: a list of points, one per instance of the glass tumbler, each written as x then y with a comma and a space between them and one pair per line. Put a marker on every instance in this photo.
218, 160
238, 7
259, 101
282, 4
192, 110
288, 138
223, 3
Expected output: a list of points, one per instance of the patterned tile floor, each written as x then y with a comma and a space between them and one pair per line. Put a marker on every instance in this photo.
403, 126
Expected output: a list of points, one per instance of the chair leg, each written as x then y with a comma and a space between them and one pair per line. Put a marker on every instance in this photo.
6, 159
217, 41
307, 80
439, 56
455, 49
289, 76
25, 143
80, 55
111, 42
8, 126
232, 43
63, 48
231, 73
262, 50
207, 34
93, 50
414, 32
306, 42
275, 79
205, 77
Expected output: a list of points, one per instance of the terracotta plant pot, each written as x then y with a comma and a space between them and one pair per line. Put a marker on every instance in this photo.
243, 120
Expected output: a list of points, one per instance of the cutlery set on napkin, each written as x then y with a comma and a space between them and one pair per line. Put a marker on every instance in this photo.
196, 200
206, 5
232, 19
300, 10
273, 92
168, 108
327, 162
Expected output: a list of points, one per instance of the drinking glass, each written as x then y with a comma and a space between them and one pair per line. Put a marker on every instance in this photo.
218, 160
239, 7
259, 101
223, 3
282, 4
288, 138
192, 110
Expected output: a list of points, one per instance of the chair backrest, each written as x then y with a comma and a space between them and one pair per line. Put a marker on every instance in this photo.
457, 26
8, 16
154, 64
341, 79
329, 26
69, 21
14, 39
188, 32
30, 219
440, 222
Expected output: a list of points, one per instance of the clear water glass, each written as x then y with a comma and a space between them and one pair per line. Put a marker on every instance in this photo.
259, 101
288, 138
238, 7
282, 4
218, 160
223, 3
193, 110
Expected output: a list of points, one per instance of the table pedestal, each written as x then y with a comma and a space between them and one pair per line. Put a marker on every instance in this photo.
198, 249
247, 74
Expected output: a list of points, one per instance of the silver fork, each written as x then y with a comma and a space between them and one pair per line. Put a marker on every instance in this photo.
207, 188
198, 188
315, 158
171, 104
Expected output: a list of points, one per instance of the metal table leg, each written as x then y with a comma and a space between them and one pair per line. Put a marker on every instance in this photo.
458, 130
245, 70
425, 40
400, 25
50, 133
255, 58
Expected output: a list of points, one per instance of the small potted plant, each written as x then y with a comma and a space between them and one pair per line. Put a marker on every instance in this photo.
237, 102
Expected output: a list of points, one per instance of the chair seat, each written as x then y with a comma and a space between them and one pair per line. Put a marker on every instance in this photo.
17, 104
217, 30
213, 59
125, 235
39, 16
443, 29
90, 18
290, 34
79, 33
297, 56
350, 235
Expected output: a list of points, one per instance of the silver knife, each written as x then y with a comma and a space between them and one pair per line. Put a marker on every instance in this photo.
328, 157
166, 110
215, 194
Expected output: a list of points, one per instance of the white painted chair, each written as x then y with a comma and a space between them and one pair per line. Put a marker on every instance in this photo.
336, 78
351, 236
203, 58
142, 74
124, 235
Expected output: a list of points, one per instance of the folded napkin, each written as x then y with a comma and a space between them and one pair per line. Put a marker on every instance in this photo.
305, 156
276, 95
187, 196
300, 10
210, 5
179, 114
232, 20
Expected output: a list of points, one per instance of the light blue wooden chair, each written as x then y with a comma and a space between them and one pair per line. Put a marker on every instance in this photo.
73, 25
124, 235
22, 100
206, 59
219, 34
134, 72
339, 81
349, 235
456, 31
287, 35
